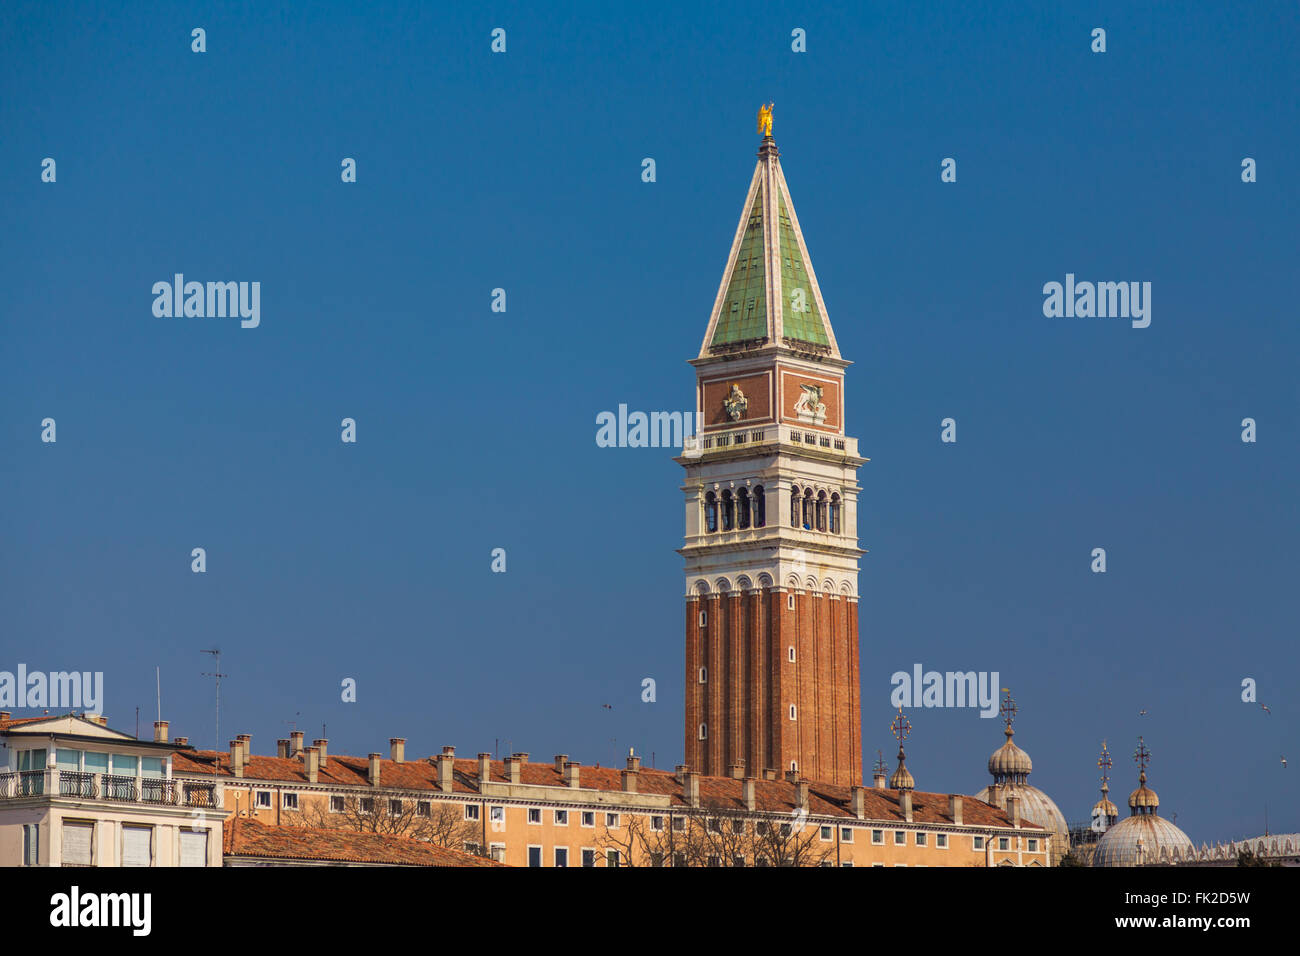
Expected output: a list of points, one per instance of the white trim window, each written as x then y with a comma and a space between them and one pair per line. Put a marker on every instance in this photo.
290, 800
941, 841
535, 816
534, 854
846, 834
337, 804
562, 819
977, 843
264, 799
588, 818
878, 837
471, 811
900, 838
561, 856
611, 821
497, 815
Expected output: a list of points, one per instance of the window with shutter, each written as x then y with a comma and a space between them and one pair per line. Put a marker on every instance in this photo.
194, 848
31, 844
77, 843
137, 846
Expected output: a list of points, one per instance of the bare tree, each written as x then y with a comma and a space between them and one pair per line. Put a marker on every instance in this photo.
717, 836
439, 822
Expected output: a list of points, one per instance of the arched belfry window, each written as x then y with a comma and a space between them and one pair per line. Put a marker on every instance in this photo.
728, 511
821, 511
760, 507
742, 508
835, 514
710, 512
795, 506
808, 510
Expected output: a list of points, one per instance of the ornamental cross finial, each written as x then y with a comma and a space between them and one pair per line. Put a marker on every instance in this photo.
765, 119
900, 727
1104, 763
1008, 708
1142, 756
880, 763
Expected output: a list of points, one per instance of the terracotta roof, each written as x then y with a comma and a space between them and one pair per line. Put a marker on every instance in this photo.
244, 837
6, 724
776, 796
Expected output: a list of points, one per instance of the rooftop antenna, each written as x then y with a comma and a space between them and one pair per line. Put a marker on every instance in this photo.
216, 673
157, 673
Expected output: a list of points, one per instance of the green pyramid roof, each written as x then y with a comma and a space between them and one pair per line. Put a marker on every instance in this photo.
752, 310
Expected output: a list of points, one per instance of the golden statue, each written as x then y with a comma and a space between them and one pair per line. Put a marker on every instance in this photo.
765, 119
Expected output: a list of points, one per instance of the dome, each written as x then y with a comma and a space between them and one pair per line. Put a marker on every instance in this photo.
1105, 808
1142, 798
1140, 840
1036, 807
1008, 760
902, 778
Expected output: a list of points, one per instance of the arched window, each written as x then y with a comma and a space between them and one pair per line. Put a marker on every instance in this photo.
808, 510
794, 506
760, 507
821, 511
704, 731
742, 509
728, 511
704, 675
835, 514
710, 512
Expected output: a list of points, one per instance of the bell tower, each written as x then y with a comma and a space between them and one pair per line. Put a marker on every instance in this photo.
771, 496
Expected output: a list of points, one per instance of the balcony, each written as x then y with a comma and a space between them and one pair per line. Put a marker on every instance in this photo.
117, 788
712, 443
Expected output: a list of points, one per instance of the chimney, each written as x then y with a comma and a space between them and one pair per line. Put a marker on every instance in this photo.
905, 804
679, 773
446, 763
954, 808
737, 771
801, 794
374, 770
571, 774
397, 749
513, 772
282, 747
246, 745
236, 759
311, 763
878, 780
747, 791
484, 768
181, 741
1013, 809
631, 773
296, 746
859, 798
691, 790
633, 764
560, 761
160, 731
791, 776
321, 743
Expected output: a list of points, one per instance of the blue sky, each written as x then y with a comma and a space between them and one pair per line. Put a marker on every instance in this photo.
477, 429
